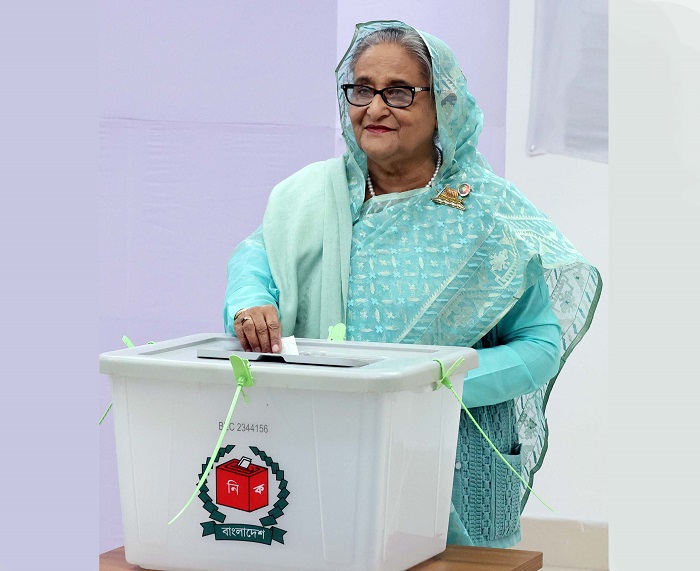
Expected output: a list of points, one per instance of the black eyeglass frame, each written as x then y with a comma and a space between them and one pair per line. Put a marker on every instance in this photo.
380, 92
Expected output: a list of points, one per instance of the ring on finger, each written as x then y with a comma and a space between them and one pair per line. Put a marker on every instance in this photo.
244, 318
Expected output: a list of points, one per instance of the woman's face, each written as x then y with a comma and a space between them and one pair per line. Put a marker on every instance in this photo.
389, 136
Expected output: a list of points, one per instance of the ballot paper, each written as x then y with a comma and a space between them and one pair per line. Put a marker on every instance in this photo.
289, 346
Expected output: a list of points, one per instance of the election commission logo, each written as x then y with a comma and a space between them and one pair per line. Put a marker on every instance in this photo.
243, 485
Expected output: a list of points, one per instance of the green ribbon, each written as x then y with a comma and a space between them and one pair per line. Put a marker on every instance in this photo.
129, 344
244, 378
445, 380
105, 414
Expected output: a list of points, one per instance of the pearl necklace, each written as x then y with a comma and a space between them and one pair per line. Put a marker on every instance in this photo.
430, 182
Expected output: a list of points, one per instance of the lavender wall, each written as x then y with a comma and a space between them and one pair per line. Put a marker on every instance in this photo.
194, 133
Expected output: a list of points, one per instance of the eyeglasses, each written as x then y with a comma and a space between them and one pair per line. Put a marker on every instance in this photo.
395, 96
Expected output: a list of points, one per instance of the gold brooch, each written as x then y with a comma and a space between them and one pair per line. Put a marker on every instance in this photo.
453, 197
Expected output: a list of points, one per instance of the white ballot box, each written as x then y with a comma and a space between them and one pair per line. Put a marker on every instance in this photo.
342, 459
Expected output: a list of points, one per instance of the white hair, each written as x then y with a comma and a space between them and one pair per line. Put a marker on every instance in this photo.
409, 39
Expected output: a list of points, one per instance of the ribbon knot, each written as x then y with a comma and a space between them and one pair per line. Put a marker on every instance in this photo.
242, 373
445, 376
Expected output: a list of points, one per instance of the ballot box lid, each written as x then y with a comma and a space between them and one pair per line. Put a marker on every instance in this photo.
348, 366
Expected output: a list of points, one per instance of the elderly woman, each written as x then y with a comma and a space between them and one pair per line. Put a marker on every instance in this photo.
409, 237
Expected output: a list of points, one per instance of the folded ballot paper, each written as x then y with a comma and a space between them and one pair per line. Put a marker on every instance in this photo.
289, 346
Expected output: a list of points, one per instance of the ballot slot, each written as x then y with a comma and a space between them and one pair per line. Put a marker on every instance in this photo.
313, 360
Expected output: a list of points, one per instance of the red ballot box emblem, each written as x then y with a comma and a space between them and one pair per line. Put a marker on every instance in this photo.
241, 485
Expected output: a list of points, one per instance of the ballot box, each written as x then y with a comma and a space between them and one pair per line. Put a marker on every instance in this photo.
340, 458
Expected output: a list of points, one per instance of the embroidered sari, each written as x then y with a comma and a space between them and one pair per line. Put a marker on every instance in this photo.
401, 268
468, 268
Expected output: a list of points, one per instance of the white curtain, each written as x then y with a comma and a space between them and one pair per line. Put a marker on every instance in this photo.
569, 100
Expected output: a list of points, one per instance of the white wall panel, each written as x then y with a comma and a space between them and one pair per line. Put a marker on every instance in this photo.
569, 102
573, 192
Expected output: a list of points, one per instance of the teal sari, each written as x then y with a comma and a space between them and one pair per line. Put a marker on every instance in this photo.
404, 269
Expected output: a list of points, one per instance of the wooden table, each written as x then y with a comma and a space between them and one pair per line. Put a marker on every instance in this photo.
454, 558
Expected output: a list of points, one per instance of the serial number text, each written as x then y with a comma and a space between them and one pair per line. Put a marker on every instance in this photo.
244, 427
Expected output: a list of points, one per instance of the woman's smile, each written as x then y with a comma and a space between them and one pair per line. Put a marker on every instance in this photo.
378, 129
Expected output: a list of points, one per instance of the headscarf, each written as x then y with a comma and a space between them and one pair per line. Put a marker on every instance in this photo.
524, 241
460, 120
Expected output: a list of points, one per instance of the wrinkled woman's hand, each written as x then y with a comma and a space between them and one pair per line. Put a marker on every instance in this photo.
258, 329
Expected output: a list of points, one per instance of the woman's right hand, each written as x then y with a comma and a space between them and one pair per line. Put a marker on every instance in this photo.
258, 329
